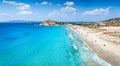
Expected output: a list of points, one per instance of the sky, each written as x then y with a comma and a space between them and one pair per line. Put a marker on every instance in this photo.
59, 10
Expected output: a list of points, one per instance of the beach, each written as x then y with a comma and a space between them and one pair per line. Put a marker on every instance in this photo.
104, 41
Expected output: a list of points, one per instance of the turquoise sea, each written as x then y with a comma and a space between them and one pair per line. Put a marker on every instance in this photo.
23, 44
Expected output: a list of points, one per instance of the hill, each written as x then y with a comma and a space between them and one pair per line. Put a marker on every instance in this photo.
49, 22
110, 22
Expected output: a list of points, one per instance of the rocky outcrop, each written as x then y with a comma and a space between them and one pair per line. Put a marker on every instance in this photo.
49, 22
53, 23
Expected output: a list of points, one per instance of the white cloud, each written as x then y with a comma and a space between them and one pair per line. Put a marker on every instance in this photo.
57, 13
68, 9
13, 3
64, 11
69, 3
24, 8
53, 13
24, 12
45, 3
20, 6
100, 11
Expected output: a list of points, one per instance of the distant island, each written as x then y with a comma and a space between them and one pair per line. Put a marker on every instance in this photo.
102, 37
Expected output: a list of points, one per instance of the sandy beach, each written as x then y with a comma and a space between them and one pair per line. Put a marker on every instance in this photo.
104, 41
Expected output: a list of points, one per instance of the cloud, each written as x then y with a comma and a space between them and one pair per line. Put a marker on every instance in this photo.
24, 8
68, 9
63, 11
57, 13
69, 3
100, 11
53, 13
45, 3
12, 3
24, 12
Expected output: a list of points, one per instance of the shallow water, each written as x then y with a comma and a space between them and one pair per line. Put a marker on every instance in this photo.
23, 44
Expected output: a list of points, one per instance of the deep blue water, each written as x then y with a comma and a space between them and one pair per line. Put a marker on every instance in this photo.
23, 44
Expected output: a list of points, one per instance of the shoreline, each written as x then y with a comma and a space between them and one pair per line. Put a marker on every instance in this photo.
102, 48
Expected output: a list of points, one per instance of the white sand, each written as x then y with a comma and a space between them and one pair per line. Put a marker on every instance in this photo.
105, 49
